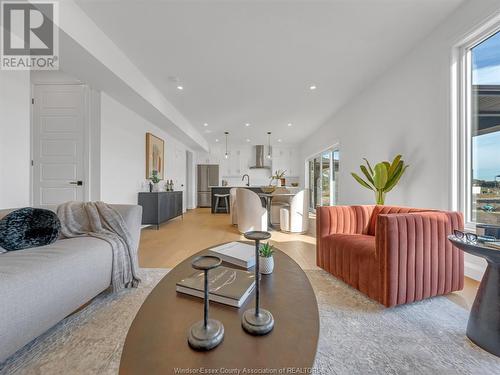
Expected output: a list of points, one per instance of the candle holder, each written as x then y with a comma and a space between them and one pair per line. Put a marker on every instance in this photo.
257, 321
207, 333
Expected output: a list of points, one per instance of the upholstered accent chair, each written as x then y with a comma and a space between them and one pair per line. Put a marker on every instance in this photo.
394, 255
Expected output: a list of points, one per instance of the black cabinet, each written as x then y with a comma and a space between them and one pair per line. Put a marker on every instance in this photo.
160, 207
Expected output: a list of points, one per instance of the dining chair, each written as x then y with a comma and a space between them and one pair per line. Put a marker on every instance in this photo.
295, 218
251, 215
278, 202
233, 207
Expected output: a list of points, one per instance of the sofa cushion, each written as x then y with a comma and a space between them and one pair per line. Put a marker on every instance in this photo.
352, 258
28, 227
39, 287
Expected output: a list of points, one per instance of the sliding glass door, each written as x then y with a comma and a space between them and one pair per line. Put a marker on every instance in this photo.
323, 179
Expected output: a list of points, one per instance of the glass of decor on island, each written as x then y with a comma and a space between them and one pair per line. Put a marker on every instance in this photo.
257, 321
266, 258
207, 333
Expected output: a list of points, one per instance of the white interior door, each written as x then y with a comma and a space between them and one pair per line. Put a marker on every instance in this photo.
58, 144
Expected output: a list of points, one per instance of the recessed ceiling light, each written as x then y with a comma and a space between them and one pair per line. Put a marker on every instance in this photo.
289, 124
180, 87
247, 124
279, 140
216, 140
248, 140
312, 87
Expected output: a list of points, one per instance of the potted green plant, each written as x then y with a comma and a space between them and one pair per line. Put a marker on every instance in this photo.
279, 176
155, 179
266, 259
382, 178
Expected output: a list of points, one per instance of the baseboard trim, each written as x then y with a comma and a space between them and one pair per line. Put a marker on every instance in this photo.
474, 271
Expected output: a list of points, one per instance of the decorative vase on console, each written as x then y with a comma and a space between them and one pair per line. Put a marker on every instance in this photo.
266, 258
155, 179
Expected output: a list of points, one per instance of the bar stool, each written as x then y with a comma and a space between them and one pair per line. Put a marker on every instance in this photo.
217, 201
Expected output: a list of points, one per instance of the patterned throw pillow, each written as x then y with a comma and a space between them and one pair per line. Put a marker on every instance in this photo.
29, 227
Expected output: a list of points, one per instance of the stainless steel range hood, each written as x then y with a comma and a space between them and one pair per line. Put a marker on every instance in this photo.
259, 158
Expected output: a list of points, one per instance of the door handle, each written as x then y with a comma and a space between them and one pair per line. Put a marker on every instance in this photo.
78, 183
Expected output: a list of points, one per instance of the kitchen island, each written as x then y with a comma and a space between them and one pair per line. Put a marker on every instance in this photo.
225, 190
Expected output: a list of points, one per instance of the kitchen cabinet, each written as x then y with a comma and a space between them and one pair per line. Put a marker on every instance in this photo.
288, 159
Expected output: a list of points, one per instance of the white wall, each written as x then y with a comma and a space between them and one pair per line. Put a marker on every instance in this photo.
407, 111
123, 150
15, 94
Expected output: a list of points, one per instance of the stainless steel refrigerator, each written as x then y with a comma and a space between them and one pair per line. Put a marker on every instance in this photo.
208, 175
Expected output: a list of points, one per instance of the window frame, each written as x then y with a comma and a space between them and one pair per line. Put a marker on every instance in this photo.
461, 118
331, 150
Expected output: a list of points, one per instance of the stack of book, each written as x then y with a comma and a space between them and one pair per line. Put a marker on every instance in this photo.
237, 253
226, 285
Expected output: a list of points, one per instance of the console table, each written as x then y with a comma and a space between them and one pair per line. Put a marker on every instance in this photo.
158, 207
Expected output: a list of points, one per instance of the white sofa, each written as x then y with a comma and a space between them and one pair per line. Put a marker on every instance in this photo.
41, 286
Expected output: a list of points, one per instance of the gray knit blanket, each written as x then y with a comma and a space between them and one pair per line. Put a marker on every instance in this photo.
99, 220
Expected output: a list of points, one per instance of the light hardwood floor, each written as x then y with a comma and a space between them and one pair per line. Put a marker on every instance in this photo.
199, 229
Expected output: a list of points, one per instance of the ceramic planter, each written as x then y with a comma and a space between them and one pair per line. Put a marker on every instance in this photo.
266, 265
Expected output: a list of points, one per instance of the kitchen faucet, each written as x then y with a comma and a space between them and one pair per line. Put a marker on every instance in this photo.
248, 179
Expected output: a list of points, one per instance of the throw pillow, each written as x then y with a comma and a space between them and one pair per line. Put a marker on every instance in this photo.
29, 227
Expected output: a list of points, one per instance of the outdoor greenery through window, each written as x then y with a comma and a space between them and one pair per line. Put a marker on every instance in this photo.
323, 179
485, 132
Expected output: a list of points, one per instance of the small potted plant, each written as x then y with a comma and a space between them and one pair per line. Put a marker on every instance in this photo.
279, 176
266, 259
155, 179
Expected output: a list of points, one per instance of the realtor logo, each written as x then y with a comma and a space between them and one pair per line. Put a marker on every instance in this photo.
29, 35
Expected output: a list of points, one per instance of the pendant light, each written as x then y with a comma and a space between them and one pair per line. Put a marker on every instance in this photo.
269, 145
226, 155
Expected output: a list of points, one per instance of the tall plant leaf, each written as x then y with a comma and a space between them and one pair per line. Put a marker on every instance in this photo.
391, 179
368, 165
394, 164
380, 176
361, 181
365, 172
395, 181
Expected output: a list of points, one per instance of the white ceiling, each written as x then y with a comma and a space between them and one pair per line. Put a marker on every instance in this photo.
253, 61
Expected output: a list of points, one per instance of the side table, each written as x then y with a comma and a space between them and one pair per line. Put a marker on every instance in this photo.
484, 320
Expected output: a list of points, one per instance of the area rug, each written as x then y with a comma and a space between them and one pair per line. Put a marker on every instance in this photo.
358, 336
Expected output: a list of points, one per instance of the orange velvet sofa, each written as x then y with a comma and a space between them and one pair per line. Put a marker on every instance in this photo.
394, 255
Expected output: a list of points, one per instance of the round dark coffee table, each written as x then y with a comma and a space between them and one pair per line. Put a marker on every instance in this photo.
484, 320
157, 340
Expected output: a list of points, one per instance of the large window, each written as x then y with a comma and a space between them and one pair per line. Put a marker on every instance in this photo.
323, 179
483, 131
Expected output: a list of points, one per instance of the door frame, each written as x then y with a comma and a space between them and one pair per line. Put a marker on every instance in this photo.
190, 178
86, 139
